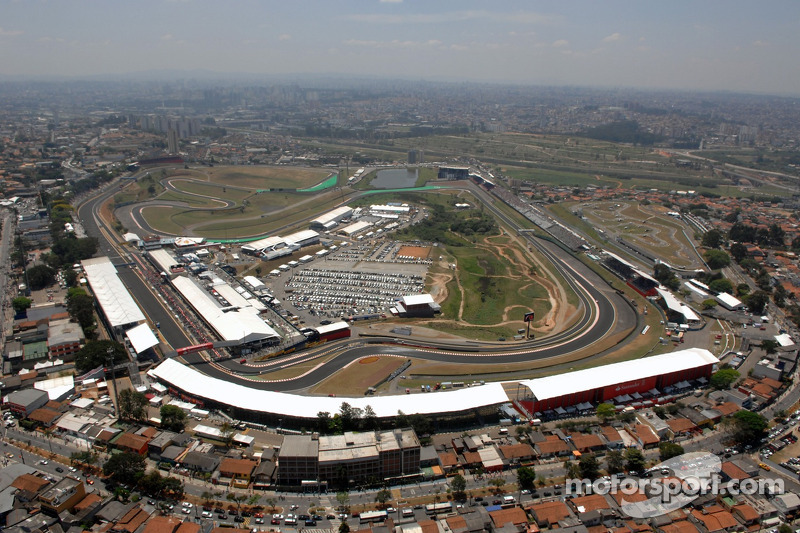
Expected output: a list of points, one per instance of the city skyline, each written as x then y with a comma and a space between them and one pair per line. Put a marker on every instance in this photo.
709, 46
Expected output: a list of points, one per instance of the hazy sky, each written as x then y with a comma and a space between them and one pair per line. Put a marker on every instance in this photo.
699, 44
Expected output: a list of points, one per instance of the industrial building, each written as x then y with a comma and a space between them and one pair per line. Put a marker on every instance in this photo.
417, 305
331, 219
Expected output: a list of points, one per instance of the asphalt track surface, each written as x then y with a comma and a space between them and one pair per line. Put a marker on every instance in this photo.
603, 309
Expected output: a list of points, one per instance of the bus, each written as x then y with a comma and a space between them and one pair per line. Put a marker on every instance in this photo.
370, 517
438, 508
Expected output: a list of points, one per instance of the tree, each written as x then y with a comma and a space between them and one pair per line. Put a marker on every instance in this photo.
383, 496
369, 421
626, 416
343, 497
173, 488
173, 418
124, 467
779, 296
742, 289
70, 277
350, 416
738, 251
237, 499
716, 259
710, 303
668, 450
769, 346
588, 466
757, 301
724, 378
41, 276
227, 432
634, 460
95, 354
747, 427
325, 424
721, 285
614, 462
712, 238
666, 276
132, 405
458, 485
497, 483
526, 477
344, 527
422, 424
80, 307
21, 304
605, 411
572, 470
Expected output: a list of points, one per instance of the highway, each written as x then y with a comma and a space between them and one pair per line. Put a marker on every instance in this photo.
603, 309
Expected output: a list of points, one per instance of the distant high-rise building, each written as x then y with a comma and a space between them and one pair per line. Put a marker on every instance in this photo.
416, 157
172, 141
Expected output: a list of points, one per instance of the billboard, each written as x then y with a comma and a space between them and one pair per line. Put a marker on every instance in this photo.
529, 317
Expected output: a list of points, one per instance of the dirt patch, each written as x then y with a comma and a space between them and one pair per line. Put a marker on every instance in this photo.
417, 252
368, 360
355, 379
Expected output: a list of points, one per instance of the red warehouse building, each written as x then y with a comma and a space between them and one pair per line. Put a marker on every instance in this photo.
604, 383
336, 330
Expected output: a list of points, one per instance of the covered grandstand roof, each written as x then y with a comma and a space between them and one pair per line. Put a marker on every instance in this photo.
234, 326
141, 338
673, 304
111, 294
200, 385
624, 372
631, 266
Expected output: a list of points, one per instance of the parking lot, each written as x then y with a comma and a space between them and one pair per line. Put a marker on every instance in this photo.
334, 293
359, 280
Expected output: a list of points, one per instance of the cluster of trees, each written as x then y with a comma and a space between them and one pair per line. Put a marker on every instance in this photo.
724, 378
665, 276
449, 227
774, 236
95, 353
622, 131
80, 307
351, 418
747, 427
129, 469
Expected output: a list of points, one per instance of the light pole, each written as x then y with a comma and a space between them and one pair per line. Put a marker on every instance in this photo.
110, 353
